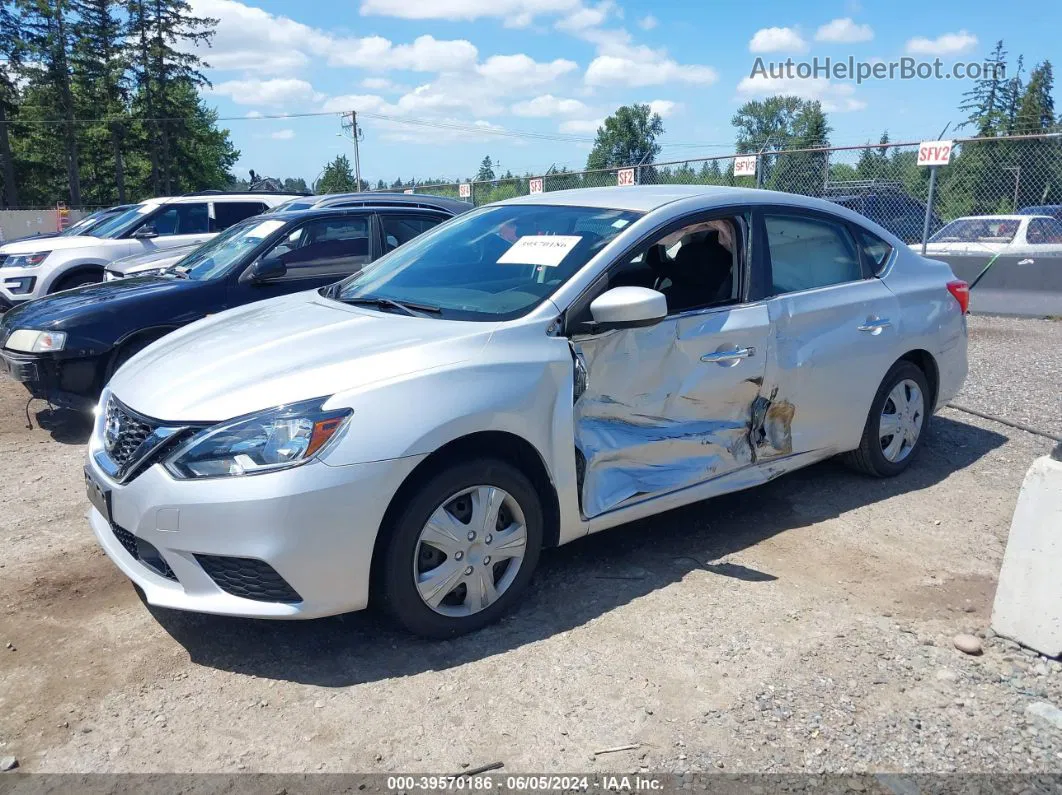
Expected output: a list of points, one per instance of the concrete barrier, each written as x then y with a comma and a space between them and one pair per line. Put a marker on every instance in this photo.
1028, 606
1024, 285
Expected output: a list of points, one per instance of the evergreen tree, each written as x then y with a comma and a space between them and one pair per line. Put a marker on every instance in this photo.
985, 103
338, 177
801, 171
627, 138
46, 36
486, 170
10, 63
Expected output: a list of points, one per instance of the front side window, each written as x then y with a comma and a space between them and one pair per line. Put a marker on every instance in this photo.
339, 244
807, 253
497, 263
218, 256
182, 219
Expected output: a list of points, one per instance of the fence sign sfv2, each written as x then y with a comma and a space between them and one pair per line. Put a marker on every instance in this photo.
745, 166
464, 190
625, 176
934, 153
534, 185
408, 190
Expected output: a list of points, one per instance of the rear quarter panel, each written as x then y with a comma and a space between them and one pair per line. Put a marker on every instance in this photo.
930, 317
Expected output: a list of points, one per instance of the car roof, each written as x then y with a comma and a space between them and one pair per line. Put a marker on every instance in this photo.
326, 212
266, 198
382, 198
999, 217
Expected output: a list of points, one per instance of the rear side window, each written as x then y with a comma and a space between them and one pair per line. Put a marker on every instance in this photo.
1044, 230
874, 249
399, 229
809, 252
228, 213
182, 219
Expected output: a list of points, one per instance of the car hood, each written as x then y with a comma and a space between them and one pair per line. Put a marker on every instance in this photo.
68, 309
152, 258
31, 245
284, 350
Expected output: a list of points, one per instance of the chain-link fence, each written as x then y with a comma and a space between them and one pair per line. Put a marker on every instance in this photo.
883, 182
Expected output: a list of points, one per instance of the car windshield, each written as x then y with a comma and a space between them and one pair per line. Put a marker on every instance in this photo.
123, 222
83, 226
215, 258
495, 264
977, 230
289, 205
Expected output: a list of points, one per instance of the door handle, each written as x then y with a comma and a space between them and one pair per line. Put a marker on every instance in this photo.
729, 357
875, 325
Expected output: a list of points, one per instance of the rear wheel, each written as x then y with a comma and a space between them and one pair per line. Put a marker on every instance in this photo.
896, 424
463, 550
128, 350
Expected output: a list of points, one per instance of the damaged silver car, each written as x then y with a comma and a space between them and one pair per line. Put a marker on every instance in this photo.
521, 376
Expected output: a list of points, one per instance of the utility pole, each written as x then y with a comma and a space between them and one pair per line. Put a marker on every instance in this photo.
355, 133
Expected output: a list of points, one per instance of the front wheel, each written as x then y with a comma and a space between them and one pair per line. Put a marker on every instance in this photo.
463, 550
896, 424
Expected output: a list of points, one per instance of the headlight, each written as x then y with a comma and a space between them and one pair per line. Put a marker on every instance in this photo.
264, 442
25, 260
30, 341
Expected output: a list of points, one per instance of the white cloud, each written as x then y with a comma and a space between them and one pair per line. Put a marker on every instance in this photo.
581, 126
844, 31
283, 135
425, 54
945, 44
520, 12
522, 71
254, 114
275, 91
664, 107
618, 70
547, 105
777, 40
648, 22
586, 16
835, 97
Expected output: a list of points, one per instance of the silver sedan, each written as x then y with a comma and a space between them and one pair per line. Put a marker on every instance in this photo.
514, 379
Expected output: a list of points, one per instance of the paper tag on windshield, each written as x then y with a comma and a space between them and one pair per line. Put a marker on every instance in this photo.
264, 228
546, 250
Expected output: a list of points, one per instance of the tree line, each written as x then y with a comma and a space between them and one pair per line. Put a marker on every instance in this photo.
99, 103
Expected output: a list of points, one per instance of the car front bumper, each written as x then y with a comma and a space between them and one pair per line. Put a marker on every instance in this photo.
68, 383
229, 546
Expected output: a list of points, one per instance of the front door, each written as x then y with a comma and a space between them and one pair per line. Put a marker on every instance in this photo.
670, 406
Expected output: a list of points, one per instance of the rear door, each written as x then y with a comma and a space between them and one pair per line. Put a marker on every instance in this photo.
667, 407
834, 325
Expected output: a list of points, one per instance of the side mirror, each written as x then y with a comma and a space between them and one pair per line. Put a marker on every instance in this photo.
628, 307
146, 232
268, 268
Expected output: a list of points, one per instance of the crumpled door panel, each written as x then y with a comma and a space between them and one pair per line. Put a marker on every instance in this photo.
654, 418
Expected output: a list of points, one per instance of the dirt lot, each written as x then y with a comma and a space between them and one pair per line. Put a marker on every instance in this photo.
803, 626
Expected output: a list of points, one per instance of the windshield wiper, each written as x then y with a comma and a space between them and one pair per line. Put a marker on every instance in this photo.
408, 307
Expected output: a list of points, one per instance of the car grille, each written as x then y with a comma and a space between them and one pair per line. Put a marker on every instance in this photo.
248, 578
143, 551
123, 433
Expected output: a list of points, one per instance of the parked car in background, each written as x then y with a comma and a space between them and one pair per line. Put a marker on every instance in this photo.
65, 347
376, 199
533, 371
886, 203
152, 263
1007, 235
32, 268
82, 226
1053, 210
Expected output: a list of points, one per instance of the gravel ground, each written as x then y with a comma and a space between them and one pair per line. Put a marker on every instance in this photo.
1016, 371
805, 626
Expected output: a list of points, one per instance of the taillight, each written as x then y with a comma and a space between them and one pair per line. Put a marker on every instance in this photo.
961, 291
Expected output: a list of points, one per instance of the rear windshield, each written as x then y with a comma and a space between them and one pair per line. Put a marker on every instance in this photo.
494, 264
978, 230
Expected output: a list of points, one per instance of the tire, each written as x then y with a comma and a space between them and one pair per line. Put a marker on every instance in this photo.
127, 351
454, 498
874, 456
77, 280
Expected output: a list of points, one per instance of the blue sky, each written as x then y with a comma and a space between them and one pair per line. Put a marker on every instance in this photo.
441, 83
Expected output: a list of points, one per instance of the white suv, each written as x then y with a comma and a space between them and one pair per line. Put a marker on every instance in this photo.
36, 267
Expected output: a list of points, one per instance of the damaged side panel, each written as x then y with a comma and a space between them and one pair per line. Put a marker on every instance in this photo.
651, 417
